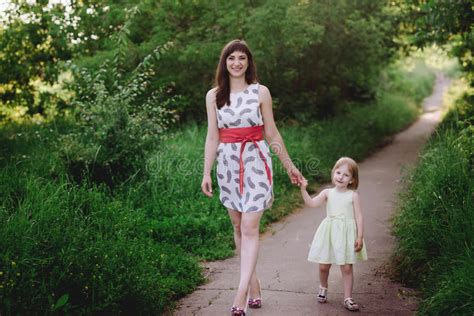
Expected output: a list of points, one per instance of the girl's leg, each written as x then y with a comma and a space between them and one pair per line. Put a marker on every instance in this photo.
250, 223
324, 274
348, 277
236, 218
323, 282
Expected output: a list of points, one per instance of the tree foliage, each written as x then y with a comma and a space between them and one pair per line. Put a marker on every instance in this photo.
31, 46
443, 22
315, 56
36, 37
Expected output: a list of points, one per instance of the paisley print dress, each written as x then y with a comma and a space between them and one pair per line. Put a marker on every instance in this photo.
257, 195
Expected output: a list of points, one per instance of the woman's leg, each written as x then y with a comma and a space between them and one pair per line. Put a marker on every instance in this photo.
249, 226
324, 274
348, 277
236, 218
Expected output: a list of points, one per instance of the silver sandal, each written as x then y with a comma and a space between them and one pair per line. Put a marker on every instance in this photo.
322, 295
349, 304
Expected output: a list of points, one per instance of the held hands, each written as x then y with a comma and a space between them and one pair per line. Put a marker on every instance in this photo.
295, 175
206, 185
358, 244
303, 184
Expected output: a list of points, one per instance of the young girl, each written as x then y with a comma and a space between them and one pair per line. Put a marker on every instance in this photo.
339, 238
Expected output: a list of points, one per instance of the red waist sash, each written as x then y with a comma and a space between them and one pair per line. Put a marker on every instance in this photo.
245, 135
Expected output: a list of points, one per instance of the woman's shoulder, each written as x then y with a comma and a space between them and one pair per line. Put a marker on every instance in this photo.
211, 98
262, 88
211, 93
264, 92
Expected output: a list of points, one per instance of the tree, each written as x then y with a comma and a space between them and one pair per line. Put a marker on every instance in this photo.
443, 22
35, 37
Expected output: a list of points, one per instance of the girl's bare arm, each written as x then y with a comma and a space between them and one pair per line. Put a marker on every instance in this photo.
359, 220
318, 200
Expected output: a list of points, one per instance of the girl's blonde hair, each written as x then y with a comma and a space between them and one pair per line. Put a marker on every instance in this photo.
353, 168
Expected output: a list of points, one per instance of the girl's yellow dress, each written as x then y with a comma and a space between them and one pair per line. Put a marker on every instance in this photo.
335, 237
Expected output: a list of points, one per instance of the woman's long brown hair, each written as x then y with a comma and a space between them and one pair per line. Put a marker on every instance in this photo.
221, 81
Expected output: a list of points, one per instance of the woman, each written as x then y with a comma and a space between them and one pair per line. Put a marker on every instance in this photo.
239, 115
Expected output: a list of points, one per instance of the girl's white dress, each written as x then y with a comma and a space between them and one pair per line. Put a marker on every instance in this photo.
334, 240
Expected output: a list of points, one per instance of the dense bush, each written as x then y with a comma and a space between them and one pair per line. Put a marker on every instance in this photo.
115, 126
435, 225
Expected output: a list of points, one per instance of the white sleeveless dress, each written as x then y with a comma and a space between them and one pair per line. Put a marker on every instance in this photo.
335, 237
257, 195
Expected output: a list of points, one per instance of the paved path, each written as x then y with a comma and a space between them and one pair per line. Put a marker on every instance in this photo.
289, 282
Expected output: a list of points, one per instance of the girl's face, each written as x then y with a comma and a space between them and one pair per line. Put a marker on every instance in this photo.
342, 176
237, 64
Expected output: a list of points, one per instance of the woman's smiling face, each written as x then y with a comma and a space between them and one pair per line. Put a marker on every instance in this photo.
237, 64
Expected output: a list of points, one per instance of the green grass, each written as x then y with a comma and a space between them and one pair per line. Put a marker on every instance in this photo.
137, 247
59, 238
435, 225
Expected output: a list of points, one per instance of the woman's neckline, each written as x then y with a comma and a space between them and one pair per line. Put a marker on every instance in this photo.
246, 88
